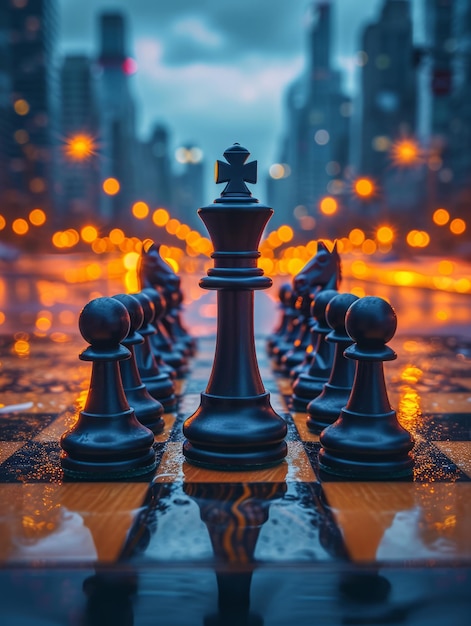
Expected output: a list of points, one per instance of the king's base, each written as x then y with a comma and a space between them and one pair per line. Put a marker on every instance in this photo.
368, 469
235, 433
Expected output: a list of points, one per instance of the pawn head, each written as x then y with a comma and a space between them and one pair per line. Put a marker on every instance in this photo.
104, 323
319, 306
335, 314
371, 322
134, 308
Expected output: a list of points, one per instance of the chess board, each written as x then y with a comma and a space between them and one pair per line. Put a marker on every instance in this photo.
273, 546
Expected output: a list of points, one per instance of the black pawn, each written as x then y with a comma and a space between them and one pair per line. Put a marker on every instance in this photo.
285, 294
158, 383
367, 442
161, 342
325, 409
235, 426
309, 384
107, 442
148, 410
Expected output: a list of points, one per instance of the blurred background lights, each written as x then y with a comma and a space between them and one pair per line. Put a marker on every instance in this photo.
111, 186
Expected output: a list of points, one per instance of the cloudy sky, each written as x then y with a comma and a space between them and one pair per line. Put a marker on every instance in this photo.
215, 71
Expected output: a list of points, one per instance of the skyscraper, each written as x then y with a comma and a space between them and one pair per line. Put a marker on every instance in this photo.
316, 144
388, 86
80, 174
117, 114
29, 134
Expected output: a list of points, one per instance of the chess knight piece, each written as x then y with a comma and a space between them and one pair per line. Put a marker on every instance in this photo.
235, 426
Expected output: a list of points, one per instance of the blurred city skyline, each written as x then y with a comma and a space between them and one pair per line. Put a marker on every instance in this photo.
215, 74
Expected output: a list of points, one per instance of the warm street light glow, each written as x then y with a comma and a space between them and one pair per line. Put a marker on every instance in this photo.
37, 217
285, 233
441, 217
79, 147
88, 234
160, 217
405, 152
111, 186
21, 107
457, 226
140, 210
328, 205
418, 239
385, 234
356, 236
363, 187
20, 226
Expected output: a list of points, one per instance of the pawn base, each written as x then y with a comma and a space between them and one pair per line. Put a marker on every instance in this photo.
305, 389
365, 469
235, 434
325, 409
108, 447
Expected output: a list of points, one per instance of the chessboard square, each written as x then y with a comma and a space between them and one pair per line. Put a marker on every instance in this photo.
67, 522
33, 462
447, 403
304, 433
7, 448
23, 426
169, 420
445, 426
403, 521
174, 467
459, 452
431, 464
57, 427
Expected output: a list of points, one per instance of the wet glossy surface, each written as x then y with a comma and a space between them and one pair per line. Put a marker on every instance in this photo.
274, 546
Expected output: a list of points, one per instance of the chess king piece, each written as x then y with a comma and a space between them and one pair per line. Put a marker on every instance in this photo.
367, 442
107, 442
325, 408
235, 426
148, 410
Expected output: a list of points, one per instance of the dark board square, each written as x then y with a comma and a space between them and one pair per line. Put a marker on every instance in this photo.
24, 426
33, 462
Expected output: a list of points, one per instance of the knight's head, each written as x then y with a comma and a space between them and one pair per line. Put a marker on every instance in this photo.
154, 271
323, 271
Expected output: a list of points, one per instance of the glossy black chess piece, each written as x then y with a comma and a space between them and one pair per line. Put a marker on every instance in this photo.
148, 410
107, 442
160, 343
285, 296
322, 272
325, 408
235, 426
154, 272
158, 383
367, 442
308, 385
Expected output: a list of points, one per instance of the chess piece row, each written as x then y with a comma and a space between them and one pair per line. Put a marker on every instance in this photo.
343, 389
138, 346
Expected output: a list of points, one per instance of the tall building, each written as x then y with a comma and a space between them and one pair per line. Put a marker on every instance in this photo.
388, 86
189, 185
461, 118
80, 173
29, 98
316, 143
154, 176
117, 113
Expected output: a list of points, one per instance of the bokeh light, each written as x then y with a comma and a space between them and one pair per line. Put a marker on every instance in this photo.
111, 186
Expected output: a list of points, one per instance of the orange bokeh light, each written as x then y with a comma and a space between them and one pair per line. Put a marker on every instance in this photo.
20, 226
37, 217
111, 186
80, 147
88, 234
405, 152
364, 187
385, 234
140, 210
441, 217
328, 205
457, 226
